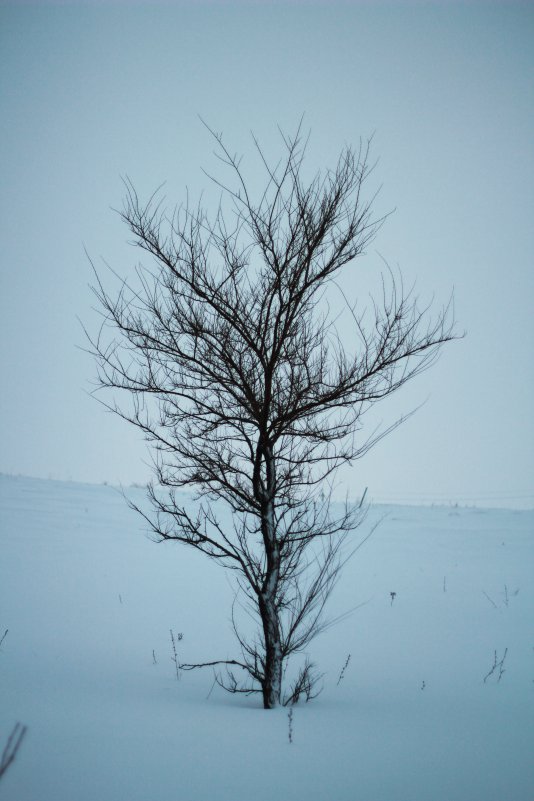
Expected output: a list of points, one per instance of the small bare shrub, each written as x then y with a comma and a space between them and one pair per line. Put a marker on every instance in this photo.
498, 665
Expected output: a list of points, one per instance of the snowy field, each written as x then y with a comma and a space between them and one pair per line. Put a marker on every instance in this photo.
89, 602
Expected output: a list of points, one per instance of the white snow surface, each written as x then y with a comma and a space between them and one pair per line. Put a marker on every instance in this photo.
88, 598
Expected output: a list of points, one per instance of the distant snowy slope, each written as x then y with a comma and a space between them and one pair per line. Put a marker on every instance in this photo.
89, 600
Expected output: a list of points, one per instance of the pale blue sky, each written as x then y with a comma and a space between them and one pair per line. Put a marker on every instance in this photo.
92, 92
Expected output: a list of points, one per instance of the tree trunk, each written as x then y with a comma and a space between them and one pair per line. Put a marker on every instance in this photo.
272, 683
265, 491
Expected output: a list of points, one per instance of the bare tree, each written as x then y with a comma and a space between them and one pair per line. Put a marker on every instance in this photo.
236, 373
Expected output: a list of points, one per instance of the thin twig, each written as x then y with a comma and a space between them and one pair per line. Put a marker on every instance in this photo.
490, 600
211, 688
290, 724
12, 746
175, 654
342, 674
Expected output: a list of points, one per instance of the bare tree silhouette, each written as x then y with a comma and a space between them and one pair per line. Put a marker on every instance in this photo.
237, 375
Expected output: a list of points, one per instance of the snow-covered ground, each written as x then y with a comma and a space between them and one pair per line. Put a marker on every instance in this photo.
89, 601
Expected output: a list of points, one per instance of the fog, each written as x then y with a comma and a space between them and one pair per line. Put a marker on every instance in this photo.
90, 94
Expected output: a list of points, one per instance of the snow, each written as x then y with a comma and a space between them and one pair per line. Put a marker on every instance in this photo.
87, 598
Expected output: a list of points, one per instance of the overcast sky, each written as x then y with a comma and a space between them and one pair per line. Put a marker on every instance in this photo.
90, 93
